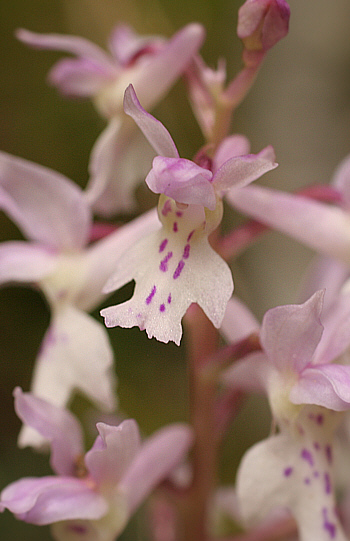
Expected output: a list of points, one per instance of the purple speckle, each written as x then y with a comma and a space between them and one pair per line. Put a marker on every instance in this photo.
190, 236
167, 207
316, 474
77, 528
163, 245
288, 471
175, 228
329, 454
319, 419
162, 308
164, 263
316, 446
306, 455
169, 298
328, 526
179, 213
307, 481
151, 295
178, 269
327, 484
186, 253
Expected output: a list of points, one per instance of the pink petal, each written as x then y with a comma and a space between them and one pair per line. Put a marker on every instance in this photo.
113, 452
327, 386
79, 77
290, 334
22, 261
47, 206
234, 145
157, 73
153, 129
183, 181
341, 180
57, 425
52, 499
249, 374
125, 44
156, 459
75, 45
238, 321
320, 226
242, 170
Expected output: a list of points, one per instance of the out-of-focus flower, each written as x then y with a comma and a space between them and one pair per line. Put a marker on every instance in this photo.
176, 265
121, 157
307, 391
53, 213
91, 497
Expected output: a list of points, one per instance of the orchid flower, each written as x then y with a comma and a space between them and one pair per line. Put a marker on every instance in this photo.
307, 392
91, 497
323, 227
176, 266
53, 213
120, 157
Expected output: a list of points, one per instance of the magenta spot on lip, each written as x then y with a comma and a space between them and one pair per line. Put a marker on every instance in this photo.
167, 207
316, 446
179, 213
169, 298
77, 528
316, 474
178, 269
163, 245
319, 419
151, 295
162, 308
307, 481
329, 455
164, 263
186, 253
306, 455
328, 526
327, 484
190, 236
288, 471
175, 228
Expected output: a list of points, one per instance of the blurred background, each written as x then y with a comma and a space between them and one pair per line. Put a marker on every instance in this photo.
300, 104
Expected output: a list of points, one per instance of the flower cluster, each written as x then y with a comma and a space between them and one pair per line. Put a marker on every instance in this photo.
290, 485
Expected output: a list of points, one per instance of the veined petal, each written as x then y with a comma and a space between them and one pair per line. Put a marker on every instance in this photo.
21, 261
169, 273
114, 450
52, 499
183, 181
320, 226
120, 158
155, 460
75, 355
294, 471
57, 425
75, 45
45, 205
324, 385
242, 170
290, 334
154, 131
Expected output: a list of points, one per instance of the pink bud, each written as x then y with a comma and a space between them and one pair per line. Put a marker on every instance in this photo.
262, 23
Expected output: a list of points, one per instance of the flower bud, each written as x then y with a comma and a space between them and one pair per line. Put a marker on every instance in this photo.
262, 23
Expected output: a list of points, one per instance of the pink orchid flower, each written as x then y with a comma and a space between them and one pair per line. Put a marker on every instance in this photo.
176, 266
121, 156
307, 392
323, 227
92, 496
53, 213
